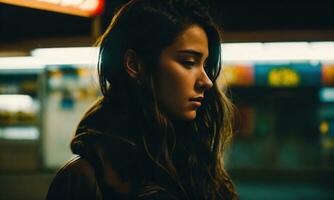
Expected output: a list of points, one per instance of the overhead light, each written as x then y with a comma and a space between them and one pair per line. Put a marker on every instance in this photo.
67, 56
278, 52
20, 63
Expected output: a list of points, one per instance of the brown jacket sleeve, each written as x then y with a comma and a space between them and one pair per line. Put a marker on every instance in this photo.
75, 181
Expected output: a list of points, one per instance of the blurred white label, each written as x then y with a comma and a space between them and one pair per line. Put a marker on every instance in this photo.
20, 133
327, 95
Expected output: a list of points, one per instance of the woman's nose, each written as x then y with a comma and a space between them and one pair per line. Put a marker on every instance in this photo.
204, 82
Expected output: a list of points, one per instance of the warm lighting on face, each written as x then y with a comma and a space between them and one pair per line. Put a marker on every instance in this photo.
84, 8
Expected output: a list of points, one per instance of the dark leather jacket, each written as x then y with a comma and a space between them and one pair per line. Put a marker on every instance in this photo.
77, 180
103, 167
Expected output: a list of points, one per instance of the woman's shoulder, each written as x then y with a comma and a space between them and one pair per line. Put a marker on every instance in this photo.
75, 180
77, 167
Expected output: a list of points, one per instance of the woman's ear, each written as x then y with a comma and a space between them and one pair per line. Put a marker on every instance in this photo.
132, 65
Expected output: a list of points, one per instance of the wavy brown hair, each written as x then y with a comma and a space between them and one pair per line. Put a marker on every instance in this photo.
188, 154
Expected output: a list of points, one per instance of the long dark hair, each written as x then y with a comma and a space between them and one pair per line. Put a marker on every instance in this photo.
188, 154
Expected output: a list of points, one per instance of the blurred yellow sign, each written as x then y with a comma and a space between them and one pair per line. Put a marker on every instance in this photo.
283, 77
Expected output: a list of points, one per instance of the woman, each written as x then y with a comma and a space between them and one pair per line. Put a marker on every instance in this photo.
160, 129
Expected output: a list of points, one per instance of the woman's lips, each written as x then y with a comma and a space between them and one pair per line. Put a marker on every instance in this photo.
196, 101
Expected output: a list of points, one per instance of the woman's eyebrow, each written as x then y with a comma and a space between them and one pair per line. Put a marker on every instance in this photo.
193, 52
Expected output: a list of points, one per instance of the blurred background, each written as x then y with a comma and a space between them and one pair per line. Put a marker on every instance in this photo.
278, 61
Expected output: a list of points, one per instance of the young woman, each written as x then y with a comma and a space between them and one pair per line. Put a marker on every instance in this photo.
160, 129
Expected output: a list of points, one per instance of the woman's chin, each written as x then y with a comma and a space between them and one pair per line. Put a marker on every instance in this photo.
189, 116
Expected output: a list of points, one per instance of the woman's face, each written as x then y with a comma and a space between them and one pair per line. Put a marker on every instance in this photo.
180, 78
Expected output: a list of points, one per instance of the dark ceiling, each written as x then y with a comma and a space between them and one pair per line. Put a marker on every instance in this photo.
18, 23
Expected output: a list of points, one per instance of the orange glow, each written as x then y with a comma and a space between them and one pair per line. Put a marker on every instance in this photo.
239, 75
328, 74
84, 8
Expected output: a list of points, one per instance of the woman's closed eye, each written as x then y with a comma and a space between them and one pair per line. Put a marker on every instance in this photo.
188, 63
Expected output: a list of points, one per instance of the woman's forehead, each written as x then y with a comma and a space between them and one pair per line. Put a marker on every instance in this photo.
192, 40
